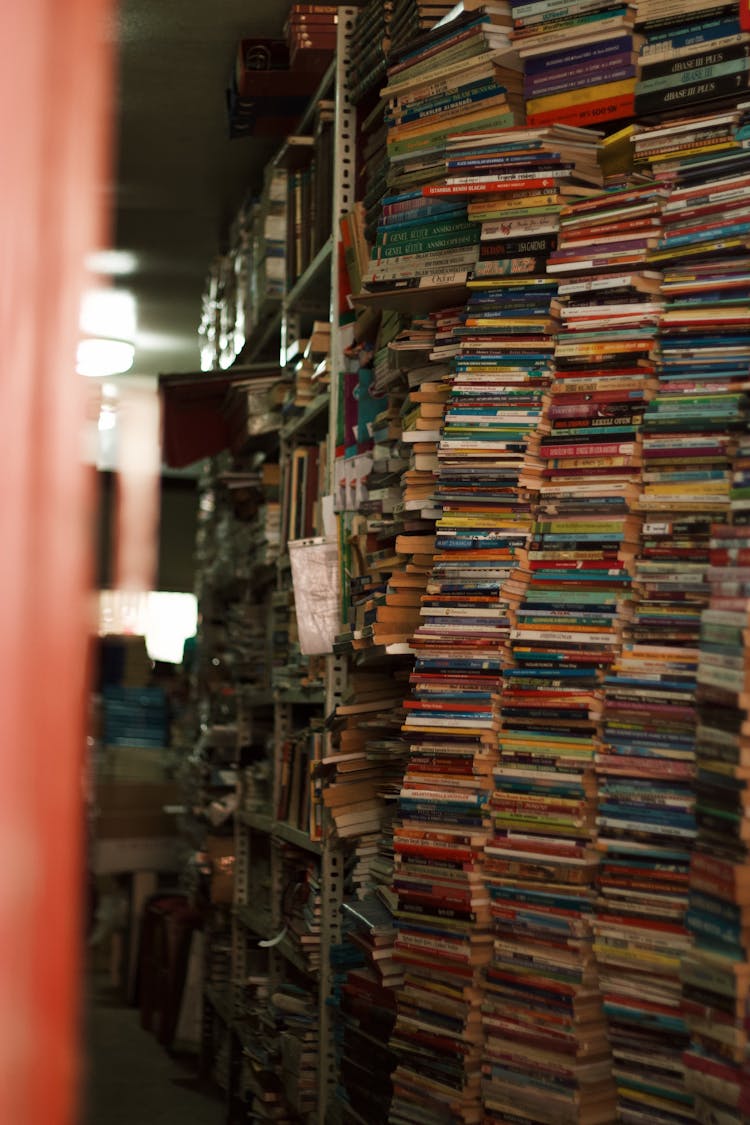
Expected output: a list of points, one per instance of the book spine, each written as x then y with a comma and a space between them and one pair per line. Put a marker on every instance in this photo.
508, 267
587, 23
427, 245
713, 88
608, 109
513, 247
697, 60
579, 96
448, 103
715, 33
446, 84
388, 236
585, 54
646, 84
470, 187
519, 228
427, 281
549, 42
571, 78
524, 15
407, 146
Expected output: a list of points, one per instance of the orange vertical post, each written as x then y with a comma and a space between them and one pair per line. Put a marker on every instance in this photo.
55, 74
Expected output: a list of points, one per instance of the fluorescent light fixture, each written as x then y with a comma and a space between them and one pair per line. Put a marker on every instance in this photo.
108, 312
101, 358
111, 263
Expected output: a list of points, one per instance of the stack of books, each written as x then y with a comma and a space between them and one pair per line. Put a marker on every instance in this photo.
412, 18
300, 907
579, 60
716, 973
517, 181
610, 232
135, 716
268, 250
443, 912
355, 782
693, 54
291, 1009
567, 626
414, 221
367, 1007
659, 150
369, 47
311, 34
458, 77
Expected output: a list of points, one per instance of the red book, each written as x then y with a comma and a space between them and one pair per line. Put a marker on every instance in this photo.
590, 113
482, 186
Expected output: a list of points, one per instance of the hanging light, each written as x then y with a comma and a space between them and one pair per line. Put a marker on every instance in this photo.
108, 326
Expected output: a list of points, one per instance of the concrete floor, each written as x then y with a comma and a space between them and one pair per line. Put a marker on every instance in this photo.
131, 1080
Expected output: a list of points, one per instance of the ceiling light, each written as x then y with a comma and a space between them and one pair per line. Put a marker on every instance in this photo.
108, 312
100, 358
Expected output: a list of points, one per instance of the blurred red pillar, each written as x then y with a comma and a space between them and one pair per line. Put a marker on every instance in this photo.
55, 74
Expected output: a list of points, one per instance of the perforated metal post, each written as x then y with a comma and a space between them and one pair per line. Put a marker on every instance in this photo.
344, 184
332, 865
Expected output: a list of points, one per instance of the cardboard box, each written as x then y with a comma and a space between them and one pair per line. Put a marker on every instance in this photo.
126, 809
220, 850
140, 853
262, 75
136, 763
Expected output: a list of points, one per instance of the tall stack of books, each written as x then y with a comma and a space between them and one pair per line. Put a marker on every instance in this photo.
579, 60
647, 802
443, 934
716, 972
693, 54
566, 629
502, 372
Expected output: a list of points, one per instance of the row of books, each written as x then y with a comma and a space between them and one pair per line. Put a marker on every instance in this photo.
309, 192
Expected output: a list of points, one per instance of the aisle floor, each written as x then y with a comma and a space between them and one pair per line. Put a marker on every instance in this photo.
130, 1079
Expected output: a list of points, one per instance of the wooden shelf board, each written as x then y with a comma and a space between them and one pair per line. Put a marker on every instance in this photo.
413, 300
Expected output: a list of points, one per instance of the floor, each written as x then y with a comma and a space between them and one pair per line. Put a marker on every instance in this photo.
129, 1078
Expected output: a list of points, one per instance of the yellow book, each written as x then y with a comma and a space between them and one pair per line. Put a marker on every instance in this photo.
581, 96
698, 150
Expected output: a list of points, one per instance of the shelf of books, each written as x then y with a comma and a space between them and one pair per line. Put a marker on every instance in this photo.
498, 828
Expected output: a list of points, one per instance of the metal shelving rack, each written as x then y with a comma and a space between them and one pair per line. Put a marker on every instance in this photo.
315, 293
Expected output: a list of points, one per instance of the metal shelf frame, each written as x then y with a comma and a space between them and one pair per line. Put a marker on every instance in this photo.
316, 291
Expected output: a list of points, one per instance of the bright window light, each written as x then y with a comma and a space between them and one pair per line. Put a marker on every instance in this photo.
172, 618
165, 619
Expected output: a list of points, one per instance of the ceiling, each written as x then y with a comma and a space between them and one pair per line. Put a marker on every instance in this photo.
179, 180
